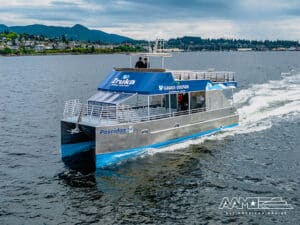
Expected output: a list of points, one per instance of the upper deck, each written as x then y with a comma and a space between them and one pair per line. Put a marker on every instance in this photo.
212, 75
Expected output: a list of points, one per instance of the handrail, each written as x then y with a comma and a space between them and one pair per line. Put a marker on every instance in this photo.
140, 69
214, 76
119, 114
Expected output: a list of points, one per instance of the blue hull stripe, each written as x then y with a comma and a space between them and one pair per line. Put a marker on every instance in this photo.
75, 148
105, 159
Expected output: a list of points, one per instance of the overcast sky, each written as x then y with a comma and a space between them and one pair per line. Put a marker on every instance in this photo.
149, 19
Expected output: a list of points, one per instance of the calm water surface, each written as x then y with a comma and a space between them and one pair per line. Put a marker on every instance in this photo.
181, 184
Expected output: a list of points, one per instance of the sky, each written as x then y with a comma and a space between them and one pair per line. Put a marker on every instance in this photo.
151, 19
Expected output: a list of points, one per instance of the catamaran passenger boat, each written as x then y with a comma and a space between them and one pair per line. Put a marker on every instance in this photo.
135, 110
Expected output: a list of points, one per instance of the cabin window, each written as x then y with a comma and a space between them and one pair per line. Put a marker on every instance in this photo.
158, 104
170, 102
136, 101
198, 100
228, 97
158, 101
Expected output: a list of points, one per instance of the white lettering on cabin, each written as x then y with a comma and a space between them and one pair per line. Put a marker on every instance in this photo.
173, 88
122, 82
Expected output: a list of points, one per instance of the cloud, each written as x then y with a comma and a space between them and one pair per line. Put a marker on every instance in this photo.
285, 29
150, 31
255, 19
169, 10
32, 3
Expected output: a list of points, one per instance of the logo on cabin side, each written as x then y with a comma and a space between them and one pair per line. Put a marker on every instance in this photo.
124, 82
173, 87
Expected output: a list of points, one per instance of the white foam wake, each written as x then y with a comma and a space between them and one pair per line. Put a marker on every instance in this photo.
258, 106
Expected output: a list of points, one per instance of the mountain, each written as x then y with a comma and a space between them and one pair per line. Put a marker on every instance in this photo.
3, 27
77, 32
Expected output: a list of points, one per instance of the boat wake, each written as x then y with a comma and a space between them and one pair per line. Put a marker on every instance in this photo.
259, 107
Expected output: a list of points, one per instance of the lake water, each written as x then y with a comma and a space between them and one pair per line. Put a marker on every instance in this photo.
181, 184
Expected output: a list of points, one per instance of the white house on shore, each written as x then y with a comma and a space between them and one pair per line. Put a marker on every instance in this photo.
39, 48
13, 47
244, 49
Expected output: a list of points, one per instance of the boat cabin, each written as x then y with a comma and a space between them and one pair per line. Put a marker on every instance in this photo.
131, 95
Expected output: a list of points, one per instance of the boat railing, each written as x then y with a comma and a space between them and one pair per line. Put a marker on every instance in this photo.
116, 114
75, 110
214, 76
156, 117
72, 108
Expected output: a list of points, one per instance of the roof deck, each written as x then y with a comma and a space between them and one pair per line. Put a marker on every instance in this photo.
213, 76
155, 70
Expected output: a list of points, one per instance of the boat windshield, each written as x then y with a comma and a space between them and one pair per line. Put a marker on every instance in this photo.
107, 97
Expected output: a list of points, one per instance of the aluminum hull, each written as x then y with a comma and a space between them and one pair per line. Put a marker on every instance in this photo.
105, 145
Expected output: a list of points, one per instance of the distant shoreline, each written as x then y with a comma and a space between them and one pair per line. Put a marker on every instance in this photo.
67, 53
112, 53
13, 43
